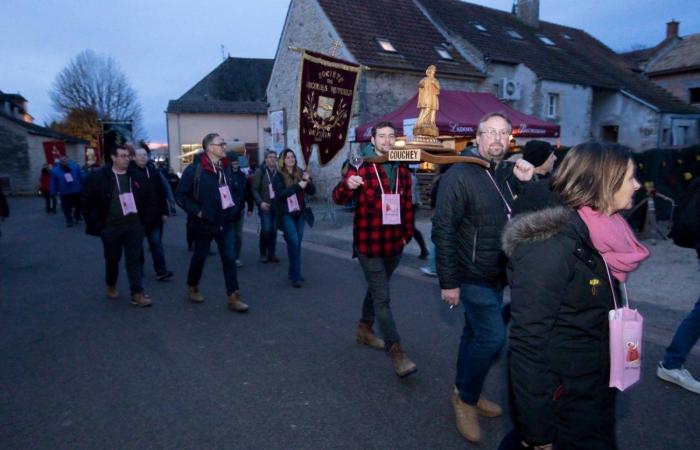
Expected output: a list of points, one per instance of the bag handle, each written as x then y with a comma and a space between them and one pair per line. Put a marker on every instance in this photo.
612, 288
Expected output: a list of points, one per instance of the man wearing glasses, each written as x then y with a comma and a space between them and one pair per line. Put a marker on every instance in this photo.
473, 206
213, 202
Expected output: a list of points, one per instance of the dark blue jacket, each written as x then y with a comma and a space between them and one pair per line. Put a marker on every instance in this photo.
203, 195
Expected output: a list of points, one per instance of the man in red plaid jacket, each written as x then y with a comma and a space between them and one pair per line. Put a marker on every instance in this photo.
383, 225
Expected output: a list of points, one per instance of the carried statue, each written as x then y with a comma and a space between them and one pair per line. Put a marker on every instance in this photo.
428, 103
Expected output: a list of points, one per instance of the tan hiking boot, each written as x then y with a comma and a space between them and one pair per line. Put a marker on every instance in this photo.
467, 418
235, 303
140, 299
487, 408
194, 295
402, 365
366, 336
112, 292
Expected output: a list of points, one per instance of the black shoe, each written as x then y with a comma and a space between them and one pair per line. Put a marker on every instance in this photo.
423, 255
164, 276
273, 259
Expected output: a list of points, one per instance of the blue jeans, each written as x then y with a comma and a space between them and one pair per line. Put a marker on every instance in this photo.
226, 241
482, 338
683, 341
268, 233
293, 234
155, 243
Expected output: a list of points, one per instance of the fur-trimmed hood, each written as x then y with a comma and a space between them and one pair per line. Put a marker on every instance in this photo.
535, 226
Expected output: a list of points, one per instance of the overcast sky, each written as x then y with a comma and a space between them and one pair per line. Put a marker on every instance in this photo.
165, 47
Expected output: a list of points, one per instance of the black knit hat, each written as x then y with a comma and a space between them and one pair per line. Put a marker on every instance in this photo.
537, 152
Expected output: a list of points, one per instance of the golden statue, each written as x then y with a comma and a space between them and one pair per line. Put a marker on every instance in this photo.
428, 103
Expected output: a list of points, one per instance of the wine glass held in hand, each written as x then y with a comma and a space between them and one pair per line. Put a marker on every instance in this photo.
355, 158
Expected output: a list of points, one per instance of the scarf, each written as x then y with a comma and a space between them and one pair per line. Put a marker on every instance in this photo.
615, 240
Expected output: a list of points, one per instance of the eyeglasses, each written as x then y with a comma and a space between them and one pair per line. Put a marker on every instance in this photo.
222, 144
496, 133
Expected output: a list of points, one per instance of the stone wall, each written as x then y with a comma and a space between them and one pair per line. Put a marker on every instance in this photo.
638, 124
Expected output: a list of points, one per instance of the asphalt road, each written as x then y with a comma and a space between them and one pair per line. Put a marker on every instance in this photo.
80, 371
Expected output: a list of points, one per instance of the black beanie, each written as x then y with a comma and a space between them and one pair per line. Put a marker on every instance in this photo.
537, 152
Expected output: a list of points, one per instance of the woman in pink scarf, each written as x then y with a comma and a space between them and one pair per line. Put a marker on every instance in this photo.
561, 292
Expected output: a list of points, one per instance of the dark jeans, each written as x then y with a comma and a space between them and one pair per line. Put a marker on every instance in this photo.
268, 233
483, 337
683, 341
377, 300
417, 235
226, 241
50, 201
293, 235
155, 243
70, 204
130, 239
238, 230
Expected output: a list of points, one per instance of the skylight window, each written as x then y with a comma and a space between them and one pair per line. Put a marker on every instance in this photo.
479, 27
546, 40
444, 54
567, 36
514, 34
386, 45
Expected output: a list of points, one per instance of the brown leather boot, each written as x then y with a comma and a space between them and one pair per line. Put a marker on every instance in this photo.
235, 303
467, 419
112, 292
194, 295
140, 299
487, 408
402, 365
366, 336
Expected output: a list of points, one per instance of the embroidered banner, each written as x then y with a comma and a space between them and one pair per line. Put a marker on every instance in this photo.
327, 87
113, 135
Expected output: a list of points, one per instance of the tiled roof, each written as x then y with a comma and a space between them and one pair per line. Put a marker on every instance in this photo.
684, 56
637, 58
575, 56
43, 131
361, 22
236, 86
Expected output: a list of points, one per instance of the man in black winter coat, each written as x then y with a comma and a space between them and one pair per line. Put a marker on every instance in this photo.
119, 206
213, 202
154, 236
473, 205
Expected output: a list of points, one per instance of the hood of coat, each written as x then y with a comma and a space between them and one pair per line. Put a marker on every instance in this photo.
535, 226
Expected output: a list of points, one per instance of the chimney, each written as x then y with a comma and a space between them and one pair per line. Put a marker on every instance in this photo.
528, 11
672, 29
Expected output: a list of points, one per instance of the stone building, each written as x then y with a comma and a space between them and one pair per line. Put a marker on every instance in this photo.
22, 146
229, 101
673, 64
553, 72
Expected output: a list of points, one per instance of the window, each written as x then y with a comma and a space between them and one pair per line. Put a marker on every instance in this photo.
694, 95
552, 105
444, 54
609, 133
514, 34
546, 40
479, 27
567, 36
386, 45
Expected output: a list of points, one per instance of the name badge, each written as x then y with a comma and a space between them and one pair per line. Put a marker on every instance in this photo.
68, 177
226, 200
128, 203
391, 209
293, 203
272, 191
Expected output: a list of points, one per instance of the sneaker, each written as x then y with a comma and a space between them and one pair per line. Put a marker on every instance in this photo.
428, 271
239, 263
164, 276
112, 292
140, 299
236, 304
681, 377
194, 295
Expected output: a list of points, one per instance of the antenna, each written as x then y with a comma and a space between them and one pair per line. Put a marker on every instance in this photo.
223, 52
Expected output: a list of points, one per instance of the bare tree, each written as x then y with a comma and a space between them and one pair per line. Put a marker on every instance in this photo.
96, 84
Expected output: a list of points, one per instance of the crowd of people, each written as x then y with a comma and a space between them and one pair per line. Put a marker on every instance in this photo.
557, 239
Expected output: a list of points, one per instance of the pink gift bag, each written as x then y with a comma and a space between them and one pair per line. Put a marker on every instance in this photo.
625, 343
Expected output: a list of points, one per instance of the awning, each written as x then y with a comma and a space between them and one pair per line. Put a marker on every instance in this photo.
459, 115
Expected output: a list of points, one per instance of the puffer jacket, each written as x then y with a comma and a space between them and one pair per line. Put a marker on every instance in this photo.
559, 341
468, 221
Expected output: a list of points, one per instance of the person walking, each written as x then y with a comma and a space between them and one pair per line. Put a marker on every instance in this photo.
67, 182
291, 186
417, 235
120, 207
473, 205
264, 195
208, 194
567, 264
382, 226
45, 190
240, 179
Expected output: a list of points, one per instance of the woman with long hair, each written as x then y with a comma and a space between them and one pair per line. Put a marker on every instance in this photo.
291, 185
566, 266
